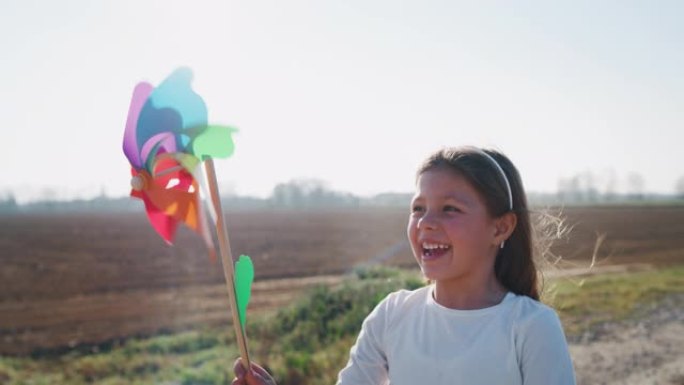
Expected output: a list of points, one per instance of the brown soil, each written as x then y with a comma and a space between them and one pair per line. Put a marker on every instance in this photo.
70, 280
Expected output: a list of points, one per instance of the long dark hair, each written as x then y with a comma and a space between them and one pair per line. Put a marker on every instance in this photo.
514, 266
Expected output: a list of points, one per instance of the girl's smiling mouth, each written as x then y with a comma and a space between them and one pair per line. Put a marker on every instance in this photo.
433, 250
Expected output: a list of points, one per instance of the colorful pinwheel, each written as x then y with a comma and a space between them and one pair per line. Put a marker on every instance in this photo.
166, 140
166, 137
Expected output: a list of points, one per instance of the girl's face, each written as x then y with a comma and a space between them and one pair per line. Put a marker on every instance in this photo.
451, 233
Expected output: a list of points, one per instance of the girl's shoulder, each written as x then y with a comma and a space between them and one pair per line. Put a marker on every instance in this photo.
411, 298
395, 305
530, 313
403, 300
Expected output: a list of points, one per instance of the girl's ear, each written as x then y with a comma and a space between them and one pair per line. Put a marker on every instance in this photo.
504, 226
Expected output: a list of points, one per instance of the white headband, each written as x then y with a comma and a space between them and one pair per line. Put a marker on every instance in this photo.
503, 174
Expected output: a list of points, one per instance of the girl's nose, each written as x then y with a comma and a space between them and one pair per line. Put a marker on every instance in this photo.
427, 222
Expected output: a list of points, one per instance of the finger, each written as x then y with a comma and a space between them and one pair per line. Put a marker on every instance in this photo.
260, 375
260, 371
255, 379
239, 369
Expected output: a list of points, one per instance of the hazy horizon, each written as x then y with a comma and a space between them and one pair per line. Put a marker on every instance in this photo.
354, 93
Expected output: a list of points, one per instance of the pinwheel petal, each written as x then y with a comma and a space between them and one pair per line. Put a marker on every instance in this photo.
173, 107
163, 224
164, 142
174, 192
154, 124
214, 142
175, 92
130, 145
168, 160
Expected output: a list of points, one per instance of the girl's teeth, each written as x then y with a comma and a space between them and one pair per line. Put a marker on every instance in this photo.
430, 246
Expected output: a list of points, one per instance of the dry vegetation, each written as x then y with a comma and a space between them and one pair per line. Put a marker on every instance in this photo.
69, 280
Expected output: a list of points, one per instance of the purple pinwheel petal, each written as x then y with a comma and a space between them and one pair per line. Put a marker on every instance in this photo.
141, 93
165, 141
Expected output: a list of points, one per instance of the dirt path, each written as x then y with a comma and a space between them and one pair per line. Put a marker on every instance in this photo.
644, 351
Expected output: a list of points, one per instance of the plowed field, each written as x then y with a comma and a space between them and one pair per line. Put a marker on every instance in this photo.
68, 280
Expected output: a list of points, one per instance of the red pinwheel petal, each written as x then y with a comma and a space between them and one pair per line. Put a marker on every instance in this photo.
170, 196
173, 191
163, 224
186, 181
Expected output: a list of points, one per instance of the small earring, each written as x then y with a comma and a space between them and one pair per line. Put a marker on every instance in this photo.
502, 244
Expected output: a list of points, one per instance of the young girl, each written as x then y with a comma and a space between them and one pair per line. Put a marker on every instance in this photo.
480, 320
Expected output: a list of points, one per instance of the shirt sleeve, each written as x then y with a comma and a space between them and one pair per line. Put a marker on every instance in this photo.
545, 359
367, 363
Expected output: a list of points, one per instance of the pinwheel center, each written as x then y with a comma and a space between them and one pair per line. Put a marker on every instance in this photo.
137, 183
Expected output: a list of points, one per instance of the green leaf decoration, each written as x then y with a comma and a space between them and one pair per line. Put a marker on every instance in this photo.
214, 142
244, 276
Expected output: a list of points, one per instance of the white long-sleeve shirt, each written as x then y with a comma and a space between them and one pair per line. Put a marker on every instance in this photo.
411, 339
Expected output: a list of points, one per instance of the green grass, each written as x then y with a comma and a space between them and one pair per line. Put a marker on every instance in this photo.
611, 297
184, 358
309, 341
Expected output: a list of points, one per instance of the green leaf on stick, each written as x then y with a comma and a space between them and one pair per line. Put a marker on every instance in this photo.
244, 276
214, 142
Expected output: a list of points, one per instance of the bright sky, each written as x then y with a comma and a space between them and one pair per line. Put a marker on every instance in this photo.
352, 92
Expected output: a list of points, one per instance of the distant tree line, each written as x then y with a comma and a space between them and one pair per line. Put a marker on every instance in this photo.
583, 188
8, 204
591, 188
314, 194
310, 193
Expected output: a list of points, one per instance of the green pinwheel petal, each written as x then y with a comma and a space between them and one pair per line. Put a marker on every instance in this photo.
244, 276
214, 142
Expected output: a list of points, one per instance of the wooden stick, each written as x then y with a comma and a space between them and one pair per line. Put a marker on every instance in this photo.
226, 260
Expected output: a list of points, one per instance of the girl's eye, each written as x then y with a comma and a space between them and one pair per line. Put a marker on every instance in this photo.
416, 209
451, 208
